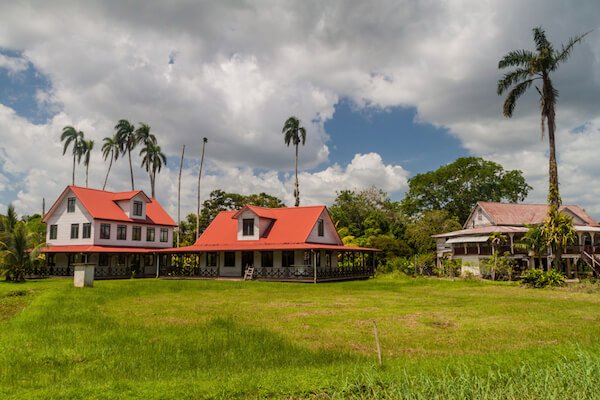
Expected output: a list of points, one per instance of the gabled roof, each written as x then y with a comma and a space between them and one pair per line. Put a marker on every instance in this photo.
101, 204
525, 214
262, 212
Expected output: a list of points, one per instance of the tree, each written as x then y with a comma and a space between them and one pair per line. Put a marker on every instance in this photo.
458, 186
153, 160
110, 148
535, 242
72, 137
85, 151
529, 68
127, 142
295, 134
18, 252
558, 230
431, 222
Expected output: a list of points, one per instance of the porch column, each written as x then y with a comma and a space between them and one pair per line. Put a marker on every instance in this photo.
512, 243
157, 264
314, 263
580, 236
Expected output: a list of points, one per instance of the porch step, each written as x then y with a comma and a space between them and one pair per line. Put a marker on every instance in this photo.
249, 275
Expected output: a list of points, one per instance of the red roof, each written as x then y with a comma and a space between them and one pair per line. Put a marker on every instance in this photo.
101, 204
290, 229
525, 214
87, 248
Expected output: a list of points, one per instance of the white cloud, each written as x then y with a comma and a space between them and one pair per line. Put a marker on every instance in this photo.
14, 65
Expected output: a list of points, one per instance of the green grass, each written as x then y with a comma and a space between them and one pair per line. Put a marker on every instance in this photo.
215, 339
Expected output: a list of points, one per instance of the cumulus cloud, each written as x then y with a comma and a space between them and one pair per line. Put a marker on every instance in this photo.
233, 72
13, 65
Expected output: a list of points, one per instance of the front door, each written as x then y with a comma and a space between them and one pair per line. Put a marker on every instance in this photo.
247, 260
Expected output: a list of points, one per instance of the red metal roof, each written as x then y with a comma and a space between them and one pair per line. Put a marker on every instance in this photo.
525, 214
102, 204
87, 248
290, 229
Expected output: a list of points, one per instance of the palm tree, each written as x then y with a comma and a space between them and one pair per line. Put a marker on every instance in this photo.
296, 134
537, 66
153, 160
535, 242
19, 251
72, 137
85, 151
127, 142
111, 148
148, 140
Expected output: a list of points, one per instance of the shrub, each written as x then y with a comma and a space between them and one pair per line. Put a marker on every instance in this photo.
397, 264
539, 279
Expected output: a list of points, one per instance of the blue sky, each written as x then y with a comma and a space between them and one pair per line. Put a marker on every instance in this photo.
386, 90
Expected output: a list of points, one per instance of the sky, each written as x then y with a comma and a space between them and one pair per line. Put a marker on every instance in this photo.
385, 90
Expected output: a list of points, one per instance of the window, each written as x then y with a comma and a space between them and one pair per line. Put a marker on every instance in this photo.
136, 233
149, 234
137, 208
164, 235
103, 260
121, 232
149, 260
318, 258
104, 231
74, 231
51, 260
320, 228
248, 227
71, 204
229, 259
287, 258
87, 231
53, 231
328, 258
121, 260
211, 259
266, 259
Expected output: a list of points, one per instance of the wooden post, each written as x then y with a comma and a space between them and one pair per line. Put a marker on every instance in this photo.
204, 140
314, 257
377, 343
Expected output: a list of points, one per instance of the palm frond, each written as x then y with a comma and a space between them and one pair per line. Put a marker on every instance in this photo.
511, 78
565, 51
541, 42
513, 96
516, 58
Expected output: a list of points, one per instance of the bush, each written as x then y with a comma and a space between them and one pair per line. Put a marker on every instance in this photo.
397, 264
539, 279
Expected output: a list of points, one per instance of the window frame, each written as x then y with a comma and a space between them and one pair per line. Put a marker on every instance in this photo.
74, 231
105, 231
120, 234
165, 232
136, 233
86, 230
103, 260
53, 234
150, 238
321, 227
285, 258
212, 258
269, 257
136, 204
227, 263
71, 204
248, 227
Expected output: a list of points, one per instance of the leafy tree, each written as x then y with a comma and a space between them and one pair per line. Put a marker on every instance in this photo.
110, 149
153, 160
558, 230
127, 142
72, 137
18, 252
85, 151
430, 222
458, 186
535, 242
295, 134
529, 68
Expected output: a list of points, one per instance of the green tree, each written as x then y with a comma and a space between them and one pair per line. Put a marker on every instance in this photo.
529, 68
295, 134
458, 186
558, 230
110, 149
127, 142
18, 252
431, 222
85, 151
153, 160
72, 137
535, 242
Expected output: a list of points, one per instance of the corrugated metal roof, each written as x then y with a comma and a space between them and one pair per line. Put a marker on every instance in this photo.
468, 239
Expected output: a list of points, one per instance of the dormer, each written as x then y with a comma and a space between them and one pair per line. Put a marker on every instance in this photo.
252, 223
133, 204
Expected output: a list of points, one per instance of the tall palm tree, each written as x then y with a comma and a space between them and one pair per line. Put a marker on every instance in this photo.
153, 160
72, 137
111, 148
86, 151
529, 68
148, 140
127, 142
295, 134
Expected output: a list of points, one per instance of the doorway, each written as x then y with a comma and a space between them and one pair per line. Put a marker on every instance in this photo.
247, 260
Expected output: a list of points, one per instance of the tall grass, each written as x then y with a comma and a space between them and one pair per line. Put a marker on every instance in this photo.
209, 339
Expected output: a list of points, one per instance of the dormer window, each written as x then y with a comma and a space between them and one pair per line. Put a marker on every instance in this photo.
137, 208
71, 204
320, 228
248, 227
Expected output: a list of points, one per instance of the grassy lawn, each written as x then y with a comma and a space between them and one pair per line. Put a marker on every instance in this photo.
216, 339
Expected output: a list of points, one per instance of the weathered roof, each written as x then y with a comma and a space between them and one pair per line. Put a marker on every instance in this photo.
101, 204
526, 214
88, 248
481, 230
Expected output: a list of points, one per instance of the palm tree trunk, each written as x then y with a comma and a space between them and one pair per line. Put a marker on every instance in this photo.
152, 178
130, 168
108, 172
73, 170
179, 196
297, 189
87, 167
204, 140
554, 195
